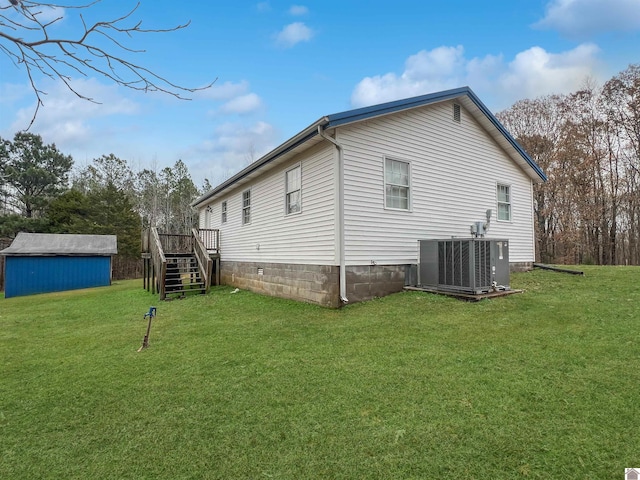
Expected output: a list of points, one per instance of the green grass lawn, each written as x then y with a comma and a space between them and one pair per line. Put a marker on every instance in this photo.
543, 385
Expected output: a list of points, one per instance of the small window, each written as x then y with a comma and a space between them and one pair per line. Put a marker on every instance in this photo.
246, 207
396, 184
224, 212
504, 202
456, 112
294, 190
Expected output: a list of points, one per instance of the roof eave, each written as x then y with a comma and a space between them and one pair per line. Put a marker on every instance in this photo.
352, 116
538, 175
359, 114
364, 113
295, 141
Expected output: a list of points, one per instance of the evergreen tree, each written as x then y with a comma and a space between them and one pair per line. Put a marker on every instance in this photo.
69, 213
32, 173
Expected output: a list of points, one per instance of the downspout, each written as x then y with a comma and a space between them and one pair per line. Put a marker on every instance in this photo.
341, 242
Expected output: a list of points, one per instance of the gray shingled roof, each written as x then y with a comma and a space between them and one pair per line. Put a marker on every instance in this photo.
34, 244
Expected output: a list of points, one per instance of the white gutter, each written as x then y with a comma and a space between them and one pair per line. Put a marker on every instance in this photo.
340, 223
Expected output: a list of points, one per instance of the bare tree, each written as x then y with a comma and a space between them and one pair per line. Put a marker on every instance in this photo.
588, 143
537, 125
27, 39
250, 156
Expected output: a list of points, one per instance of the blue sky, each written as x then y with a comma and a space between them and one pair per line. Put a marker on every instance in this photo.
282, 65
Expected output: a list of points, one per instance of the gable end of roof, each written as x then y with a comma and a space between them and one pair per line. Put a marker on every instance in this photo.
365, 113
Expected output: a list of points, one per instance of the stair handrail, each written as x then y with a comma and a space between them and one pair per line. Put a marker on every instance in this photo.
159, 261
204, 260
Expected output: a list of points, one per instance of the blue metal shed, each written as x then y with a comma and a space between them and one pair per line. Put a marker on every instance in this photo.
43, 262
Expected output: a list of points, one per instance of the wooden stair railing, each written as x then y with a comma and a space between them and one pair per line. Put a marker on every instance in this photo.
158, 249
159, 262
204, 260
183, 274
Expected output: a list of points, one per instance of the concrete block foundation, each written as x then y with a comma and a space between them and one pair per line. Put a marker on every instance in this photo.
320, 284
307, 283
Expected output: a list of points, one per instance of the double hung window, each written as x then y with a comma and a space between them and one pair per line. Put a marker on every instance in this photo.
246, 207
293, 198
504, 202
397, 184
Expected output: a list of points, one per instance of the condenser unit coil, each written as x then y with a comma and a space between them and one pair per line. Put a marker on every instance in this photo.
467, 265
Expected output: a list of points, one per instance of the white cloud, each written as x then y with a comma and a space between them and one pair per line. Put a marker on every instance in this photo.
481, 72
242, 104
441, 62
581, 18
239, 138
426, 71
293, 34
65, 118
236, 95
536, 72
298, 10
232, 146
531, 73
46, 13
10, 92
223, 91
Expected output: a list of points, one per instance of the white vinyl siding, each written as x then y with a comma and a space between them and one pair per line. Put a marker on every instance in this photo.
504, 202
397, 184
304, 238
202, 218
293, 197
454, 172
246, 207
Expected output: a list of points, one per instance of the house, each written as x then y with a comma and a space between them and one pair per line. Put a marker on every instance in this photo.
333, 215
42, 262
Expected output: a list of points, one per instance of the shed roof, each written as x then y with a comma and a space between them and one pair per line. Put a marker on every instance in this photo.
310, 135
46, 244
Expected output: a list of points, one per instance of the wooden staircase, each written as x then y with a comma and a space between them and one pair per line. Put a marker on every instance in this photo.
177, 264
183, 275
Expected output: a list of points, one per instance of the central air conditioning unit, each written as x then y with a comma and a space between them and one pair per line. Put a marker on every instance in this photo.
465, 265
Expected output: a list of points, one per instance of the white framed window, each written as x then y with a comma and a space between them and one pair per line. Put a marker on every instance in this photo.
246, 207
293, 188
224, 212
397, 184
503, 193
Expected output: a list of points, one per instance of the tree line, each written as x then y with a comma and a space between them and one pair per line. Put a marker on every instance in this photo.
41, 190
588, 144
